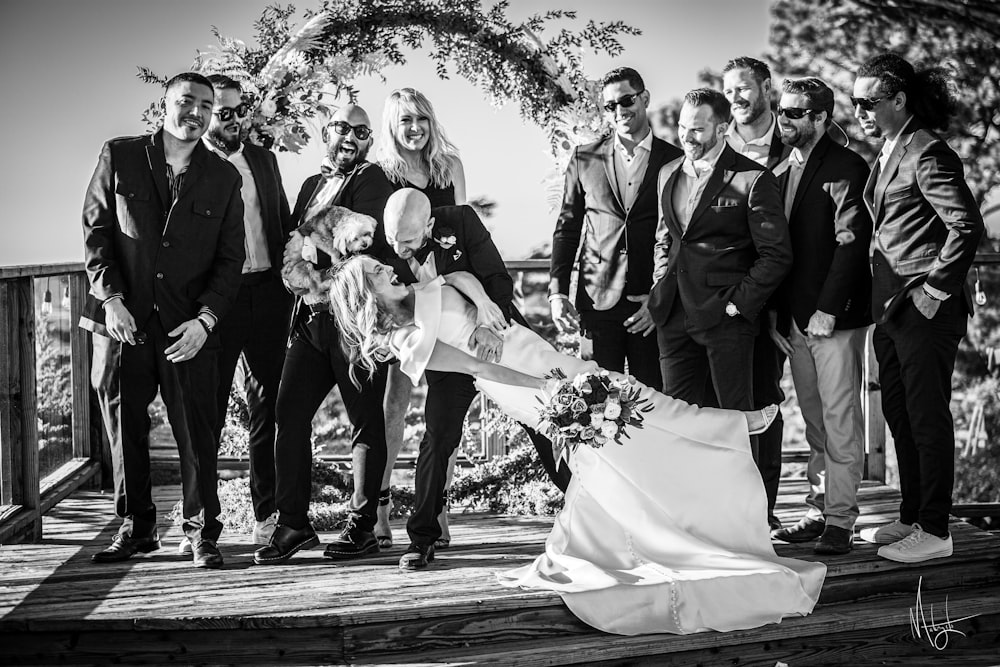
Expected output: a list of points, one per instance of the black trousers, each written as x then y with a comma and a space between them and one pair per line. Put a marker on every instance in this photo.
768, 369
449, 396
613, 345
315, 364
916, 358
126, 378
256, 326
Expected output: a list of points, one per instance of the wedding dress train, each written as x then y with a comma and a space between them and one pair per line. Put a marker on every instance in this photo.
666, 532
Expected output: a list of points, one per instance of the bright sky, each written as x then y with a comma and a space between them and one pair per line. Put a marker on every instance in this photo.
68, 67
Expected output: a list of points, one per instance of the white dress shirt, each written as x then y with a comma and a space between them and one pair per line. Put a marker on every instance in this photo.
255, 242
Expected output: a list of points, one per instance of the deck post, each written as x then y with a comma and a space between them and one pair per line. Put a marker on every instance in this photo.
875, 439
19, 481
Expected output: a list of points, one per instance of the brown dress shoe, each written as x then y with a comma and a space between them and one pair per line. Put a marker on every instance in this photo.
835, 541
124, 547
806, 530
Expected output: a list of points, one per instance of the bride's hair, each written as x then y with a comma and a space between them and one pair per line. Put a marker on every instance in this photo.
363, 325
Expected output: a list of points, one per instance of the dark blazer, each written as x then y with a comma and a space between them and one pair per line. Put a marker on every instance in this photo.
927, 223
827, 276
365, 190
612, 249
174, 256
736, 246
273, 201
473, 250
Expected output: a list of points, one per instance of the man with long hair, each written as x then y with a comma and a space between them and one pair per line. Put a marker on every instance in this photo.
927, 230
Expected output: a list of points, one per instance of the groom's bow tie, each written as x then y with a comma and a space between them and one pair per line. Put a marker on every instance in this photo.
328, 169
421, 254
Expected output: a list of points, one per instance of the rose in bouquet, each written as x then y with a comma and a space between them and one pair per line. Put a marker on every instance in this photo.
591, 409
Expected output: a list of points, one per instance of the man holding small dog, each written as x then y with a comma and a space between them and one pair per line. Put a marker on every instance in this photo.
349, 193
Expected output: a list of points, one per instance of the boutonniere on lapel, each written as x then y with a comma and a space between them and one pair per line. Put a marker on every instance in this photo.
446, 239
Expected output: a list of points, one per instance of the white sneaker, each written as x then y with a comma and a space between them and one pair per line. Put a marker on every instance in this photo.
917, 547
184, 548
887, 534
264, 529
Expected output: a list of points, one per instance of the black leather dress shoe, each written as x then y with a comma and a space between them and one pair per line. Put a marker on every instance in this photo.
835, 541
806, 530
416, 557
206, 554
773, 522
353, 542
284, 543
124, 547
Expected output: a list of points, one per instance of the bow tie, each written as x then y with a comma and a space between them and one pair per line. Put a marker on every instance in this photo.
421, 254
695, 168
328, 169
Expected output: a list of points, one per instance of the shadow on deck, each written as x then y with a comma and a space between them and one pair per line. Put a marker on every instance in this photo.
56, 607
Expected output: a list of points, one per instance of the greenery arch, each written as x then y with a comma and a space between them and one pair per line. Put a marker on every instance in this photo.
298, 75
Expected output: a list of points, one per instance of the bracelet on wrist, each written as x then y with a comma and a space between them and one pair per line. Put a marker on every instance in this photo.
204, 324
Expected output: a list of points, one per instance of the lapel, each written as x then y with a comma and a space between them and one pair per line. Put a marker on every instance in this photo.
259, 169
869, 195
609, 170
719, 179
195, 167
891, 167
809, 171
158, 168
667, 197
262, 181
652, 167
778, 150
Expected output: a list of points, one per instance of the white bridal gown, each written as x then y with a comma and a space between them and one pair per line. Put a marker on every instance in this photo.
666, 532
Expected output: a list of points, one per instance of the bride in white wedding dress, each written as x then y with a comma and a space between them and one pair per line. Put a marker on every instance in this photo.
666, 532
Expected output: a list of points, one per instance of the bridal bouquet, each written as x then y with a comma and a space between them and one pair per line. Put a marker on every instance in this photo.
590, 409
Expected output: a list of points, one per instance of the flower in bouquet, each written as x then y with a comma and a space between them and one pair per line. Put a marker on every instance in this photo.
592, 409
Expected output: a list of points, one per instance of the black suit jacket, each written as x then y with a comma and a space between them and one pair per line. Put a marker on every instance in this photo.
174, 256
273, 201
611, 248
825, 275
473, 250
735, 248
927, 223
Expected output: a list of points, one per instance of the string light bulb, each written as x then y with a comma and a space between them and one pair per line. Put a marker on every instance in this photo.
47, 300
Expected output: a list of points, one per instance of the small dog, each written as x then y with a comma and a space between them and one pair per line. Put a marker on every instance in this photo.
337, 232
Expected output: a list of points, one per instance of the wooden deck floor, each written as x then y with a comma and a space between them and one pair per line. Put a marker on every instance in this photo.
57, 607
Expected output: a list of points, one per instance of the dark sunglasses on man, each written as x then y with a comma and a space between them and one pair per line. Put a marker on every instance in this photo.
226, 114
362, 132
868, 103
625, 102
794, 113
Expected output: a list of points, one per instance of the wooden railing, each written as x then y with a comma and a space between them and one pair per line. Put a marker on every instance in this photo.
25, 496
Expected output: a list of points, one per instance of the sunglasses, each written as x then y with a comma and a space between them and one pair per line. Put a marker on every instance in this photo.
226, 114
794, 113
625, 102
868, 103
362, 132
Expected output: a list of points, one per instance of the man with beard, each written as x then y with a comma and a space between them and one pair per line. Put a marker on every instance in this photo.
824, 307
927, 229
315, 361
754, 132
257, 324
163, 235
722, 248
605, 232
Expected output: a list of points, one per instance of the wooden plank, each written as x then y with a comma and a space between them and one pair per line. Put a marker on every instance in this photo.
18, 402
39, 270
79, 367
66, 480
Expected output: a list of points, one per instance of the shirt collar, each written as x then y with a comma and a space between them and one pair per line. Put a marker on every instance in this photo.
646, 144
890, 144
763, 140
704, 164
212, 147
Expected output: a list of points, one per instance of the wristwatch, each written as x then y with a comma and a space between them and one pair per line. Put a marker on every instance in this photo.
732, 310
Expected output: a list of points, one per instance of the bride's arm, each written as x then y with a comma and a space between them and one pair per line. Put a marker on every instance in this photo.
446, 358
488, 314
